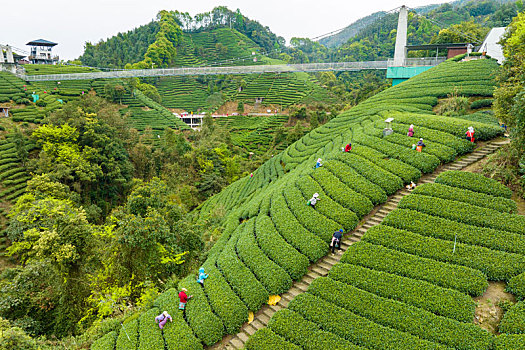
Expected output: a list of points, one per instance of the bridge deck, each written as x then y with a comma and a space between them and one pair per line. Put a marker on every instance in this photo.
257, 69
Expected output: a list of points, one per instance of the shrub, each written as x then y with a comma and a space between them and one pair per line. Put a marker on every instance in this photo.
264, 339
516, 286
474, 182
465, 213
426, 163
438, 190
509, 342
377, 257
340, 193
177, 334
278, 250
460, 145
150, 335
305, 240
291, 326
107, 342
433, 226
443, 153
129, 329
487, 102
326, 206
441, 301
400, 316
362, 331
357, 182
389, 182
405, 171
240, 278
272, 276
206, 325
454, 126
497, 265
513, 321
224, 302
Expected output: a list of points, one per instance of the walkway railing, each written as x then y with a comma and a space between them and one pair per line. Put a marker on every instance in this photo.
278, 68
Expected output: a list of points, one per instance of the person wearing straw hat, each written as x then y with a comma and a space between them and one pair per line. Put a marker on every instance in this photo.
183, 298
420, 145
162, 319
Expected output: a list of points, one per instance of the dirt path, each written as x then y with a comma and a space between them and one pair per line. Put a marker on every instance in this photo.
488, 312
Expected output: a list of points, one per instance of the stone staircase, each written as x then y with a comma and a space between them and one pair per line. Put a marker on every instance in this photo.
322, 266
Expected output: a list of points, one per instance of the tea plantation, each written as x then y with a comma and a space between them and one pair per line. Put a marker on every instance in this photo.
407, 286
271, 236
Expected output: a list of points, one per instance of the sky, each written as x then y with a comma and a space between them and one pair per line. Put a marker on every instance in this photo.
72, 23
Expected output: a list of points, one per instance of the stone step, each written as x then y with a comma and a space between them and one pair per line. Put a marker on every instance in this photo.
275, 308
295, 290
257, 323
263, 318
324, 265
243, 336
237, 343
250, 329
330, 260
303, 286
284, 302
308, 279
319, 269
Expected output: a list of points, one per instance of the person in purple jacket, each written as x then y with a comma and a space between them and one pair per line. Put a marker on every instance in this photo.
162, 319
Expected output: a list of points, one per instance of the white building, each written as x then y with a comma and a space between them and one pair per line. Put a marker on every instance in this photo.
490, 44
41, 52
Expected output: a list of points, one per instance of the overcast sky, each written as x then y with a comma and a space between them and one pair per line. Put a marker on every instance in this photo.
71, 23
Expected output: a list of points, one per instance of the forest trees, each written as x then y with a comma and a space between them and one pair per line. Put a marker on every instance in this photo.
81, 150
509, 102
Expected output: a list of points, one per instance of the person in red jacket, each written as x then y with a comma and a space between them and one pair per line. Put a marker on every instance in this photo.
348, 147
470, 134
183, 298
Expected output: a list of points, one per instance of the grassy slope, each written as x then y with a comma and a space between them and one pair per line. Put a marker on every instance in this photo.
279, 235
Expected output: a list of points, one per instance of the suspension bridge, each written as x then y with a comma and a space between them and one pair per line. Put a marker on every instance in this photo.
410, 66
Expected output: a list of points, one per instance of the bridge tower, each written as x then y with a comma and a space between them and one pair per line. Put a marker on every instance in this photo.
400, 69
400, 52
7, 63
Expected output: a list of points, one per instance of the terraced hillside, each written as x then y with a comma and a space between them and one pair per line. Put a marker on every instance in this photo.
228, 47
254, 134
282, 90
270, 234
143, 112
409, 283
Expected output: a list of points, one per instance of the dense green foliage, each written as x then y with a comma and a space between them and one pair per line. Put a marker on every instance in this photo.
509, 98
400, 279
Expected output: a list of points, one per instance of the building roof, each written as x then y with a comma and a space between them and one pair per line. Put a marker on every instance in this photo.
41, 42
437, 46
491, 46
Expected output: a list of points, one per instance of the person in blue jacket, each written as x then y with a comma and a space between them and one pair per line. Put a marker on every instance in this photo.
336, 240
202, 276
318, 164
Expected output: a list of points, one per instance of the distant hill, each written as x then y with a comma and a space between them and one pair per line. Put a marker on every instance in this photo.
489, 12
350, 31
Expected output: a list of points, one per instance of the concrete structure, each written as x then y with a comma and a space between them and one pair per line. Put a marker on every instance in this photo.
4, 111
192, 71
400, 52
6, 54
490, 44
7, 61
41, 52
194, 121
